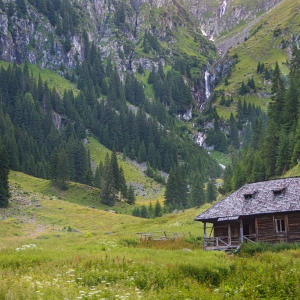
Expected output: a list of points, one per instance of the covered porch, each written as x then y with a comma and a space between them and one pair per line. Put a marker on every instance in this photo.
229, 233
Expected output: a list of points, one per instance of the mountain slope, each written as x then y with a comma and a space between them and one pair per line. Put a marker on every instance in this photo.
271, 40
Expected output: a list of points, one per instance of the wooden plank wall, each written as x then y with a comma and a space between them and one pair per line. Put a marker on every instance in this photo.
266, 230
221, 230
294, 227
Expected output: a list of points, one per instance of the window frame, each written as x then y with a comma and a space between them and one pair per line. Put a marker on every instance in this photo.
280, 226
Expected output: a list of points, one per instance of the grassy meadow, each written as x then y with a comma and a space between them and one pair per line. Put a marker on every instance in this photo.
51, 248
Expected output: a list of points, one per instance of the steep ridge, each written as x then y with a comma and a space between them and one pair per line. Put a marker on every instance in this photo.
218, 18
271, 39
225, 43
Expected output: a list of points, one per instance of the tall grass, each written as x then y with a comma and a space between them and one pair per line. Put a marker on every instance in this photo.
53, 249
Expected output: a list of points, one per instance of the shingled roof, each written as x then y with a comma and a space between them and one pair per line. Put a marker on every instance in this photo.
273, 196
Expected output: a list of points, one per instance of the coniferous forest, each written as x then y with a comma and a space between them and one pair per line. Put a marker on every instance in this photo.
44, 131
273, 146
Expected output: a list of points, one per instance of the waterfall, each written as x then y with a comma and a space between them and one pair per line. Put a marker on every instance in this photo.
200, 137
188, 115
223, 8
207, 86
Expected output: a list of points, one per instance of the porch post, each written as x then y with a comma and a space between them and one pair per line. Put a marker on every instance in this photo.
205, 242
241, 232
229, 235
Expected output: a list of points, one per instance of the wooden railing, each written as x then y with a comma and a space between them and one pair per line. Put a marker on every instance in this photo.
249, 238
159, 236
223, 242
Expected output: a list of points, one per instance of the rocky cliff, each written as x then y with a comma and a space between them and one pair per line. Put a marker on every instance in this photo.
53, 34
218, 17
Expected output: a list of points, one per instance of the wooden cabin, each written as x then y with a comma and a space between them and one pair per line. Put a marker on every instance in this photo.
266, 211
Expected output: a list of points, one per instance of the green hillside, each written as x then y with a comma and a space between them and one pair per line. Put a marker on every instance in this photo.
270, 40
148, 189
53, 249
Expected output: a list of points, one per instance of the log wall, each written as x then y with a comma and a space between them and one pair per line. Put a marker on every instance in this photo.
265, 228
294, 227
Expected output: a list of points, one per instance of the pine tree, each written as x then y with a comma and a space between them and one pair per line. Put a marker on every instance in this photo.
157, 210
63, 169
258, 170
142, 155
130, 195
107, 194
115, 170
211, 191
197, 194
53, 165
171, 190
277, 104
4, 171
234, 135
122, 183
22, 6
282, 158
291, 105
150, 211
144, 212
239, 178
227, 177
296, 149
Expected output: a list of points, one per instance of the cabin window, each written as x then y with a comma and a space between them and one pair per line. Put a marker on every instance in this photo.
248, 196
278, 192
280, 225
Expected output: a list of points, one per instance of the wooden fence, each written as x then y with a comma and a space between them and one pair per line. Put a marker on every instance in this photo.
160, 236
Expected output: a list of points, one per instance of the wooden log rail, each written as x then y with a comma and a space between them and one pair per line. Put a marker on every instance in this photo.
159, 236
224, 241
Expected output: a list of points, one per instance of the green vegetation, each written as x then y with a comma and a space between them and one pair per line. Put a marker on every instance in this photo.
4, 171
270, 152
268, 42
55, 249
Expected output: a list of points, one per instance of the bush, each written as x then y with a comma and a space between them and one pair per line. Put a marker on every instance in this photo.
194, 240
129, 242
205, 274
259, 247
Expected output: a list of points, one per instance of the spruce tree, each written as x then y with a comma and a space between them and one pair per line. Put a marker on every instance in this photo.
197, 194
157, 210
171, 190
227, 177
211, 191
107, 194
277, 104
63, 169
258, 170
53, 165
296, 149
130, 195
234, 135
144, 212
282, 158
4, 172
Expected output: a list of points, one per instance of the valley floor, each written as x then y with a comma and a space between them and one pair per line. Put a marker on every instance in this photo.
53, 249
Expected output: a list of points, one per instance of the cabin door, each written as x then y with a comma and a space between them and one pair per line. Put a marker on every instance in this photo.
246, 230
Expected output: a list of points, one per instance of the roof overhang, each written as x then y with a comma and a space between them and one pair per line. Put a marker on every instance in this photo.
233, 218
